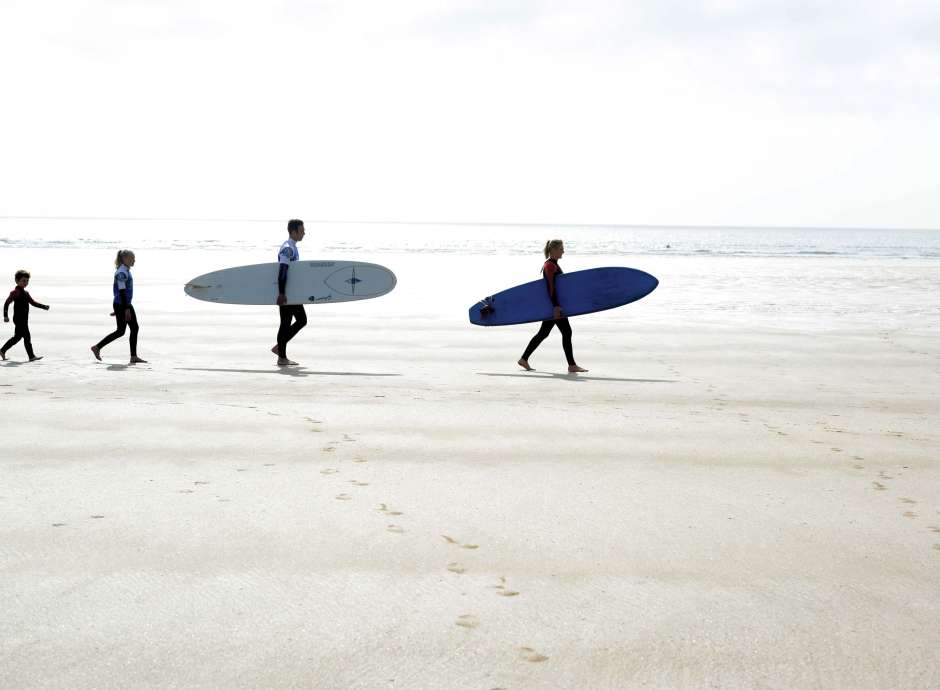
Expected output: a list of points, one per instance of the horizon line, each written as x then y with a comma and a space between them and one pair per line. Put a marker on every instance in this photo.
650, 226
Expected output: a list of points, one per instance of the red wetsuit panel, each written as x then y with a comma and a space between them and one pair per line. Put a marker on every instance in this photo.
551, 269
21, 301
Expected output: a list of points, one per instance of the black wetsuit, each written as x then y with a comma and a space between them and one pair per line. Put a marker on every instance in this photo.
123, 294
20, 299
288, 312
549, 271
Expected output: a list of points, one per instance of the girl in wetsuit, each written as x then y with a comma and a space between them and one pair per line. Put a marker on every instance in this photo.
20, 299
124, 312
554, 250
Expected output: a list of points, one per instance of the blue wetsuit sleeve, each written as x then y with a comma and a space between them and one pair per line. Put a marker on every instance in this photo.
282, 278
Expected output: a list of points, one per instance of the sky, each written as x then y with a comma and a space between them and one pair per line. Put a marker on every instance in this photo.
775, 113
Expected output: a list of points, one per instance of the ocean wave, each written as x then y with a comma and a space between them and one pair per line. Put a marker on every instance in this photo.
518, 241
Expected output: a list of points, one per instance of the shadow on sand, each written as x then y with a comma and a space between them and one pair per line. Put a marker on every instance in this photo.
573, 377
286, 371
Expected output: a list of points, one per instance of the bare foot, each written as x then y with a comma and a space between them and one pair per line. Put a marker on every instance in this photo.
3, 355
274, 350
525, 365
138, 360
96, 351
34, 358
574, 369
284, 362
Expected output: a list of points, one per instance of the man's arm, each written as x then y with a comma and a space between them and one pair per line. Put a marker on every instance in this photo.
282, 283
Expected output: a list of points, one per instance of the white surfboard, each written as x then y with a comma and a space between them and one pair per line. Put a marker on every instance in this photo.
308, 282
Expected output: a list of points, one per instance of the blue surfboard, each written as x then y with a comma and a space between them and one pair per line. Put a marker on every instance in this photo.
579, 292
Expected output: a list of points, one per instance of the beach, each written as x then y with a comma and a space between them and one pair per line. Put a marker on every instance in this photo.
742, 492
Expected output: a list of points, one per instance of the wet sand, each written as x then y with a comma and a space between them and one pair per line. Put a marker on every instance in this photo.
714, 504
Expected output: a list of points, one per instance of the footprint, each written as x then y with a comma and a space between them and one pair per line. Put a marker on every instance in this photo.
360, 460
909, 514
879, 486
907, 500
328, 449
530, 654
395, 528
241, 469
502, 591
187, 491
343, 497
97, 517
934, 529
200, 483
356, 482
347, 438
269, 464
58, 524
384, 509
451, 540
467, 621
456, 568
329, 470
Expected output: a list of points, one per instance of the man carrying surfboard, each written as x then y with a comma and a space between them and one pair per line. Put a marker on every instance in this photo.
554, 250
288, 254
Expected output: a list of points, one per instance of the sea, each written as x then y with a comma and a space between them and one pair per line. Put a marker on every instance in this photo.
869, 281
492, 239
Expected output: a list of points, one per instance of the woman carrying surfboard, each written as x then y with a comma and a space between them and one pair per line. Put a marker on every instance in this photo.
554, 250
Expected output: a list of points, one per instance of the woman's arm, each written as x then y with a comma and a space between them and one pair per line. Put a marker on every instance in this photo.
549, 271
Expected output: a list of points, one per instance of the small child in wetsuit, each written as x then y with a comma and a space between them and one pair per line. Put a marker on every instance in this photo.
124, 314
20, 299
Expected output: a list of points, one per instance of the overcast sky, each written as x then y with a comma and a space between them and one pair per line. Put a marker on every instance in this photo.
709, 113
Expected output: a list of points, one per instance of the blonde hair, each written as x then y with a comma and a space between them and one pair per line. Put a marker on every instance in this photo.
550, 245
121, 255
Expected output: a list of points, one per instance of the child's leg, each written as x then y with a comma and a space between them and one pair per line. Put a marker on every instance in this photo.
23, 330
134, 326
121, 326
10, 343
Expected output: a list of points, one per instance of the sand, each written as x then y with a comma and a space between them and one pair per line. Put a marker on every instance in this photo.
725, 500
